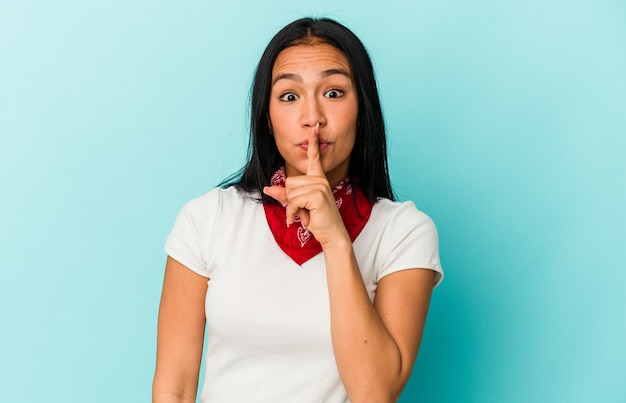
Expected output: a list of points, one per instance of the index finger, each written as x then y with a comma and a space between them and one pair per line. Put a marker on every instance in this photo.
314, 160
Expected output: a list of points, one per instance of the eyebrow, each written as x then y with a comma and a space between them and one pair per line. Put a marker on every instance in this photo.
327, 73
298, 79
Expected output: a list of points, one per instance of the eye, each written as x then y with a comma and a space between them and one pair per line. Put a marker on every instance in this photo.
334, 93
288, 97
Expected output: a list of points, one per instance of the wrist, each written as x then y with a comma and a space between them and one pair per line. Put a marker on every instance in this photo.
339, 243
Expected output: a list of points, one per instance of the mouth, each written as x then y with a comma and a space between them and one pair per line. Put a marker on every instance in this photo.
323, 145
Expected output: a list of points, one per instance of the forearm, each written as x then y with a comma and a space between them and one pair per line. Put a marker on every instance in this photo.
367, 356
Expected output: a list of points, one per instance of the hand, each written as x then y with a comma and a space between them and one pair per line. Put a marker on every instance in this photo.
310, 197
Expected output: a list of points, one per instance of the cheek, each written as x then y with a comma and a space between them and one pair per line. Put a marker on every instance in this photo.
280, 144
280, 117
349, 146
349, 115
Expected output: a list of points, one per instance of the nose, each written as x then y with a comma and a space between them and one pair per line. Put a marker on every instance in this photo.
312, 113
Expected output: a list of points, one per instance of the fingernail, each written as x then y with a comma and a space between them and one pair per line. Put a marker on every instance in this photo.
287, 220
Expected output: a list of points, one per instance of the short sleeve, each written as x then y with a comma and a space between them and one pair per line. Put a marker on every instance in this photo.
190, 239
411, 242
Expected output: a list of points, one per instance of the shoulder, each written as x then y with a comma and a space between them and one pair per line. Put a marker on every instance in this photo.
200, 221
401, 215
408, 238
216, 200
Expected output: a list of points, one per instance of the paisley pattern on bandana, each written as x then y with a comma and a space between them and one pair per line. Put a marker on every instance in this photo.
296, 240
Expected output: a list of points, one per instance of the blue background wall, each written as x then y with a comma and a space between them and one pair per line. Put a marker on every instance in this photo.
506, 124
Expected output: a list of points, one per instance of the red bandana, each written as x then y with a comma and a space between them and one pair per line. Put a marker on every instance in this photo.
295, 240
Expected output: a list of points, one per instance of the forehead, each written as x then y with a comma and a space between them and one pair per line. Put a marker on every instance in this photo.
322, 56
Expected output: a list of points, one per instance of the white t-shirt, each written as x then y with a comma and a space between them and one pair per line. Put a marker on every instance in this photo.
268, 318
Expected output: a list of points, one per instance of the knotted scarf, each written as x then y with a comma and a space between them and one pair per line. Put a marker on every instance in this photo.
296, 240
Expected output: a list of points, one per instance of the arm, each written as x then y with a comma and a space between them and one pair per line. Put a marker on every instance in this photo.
375, 345
180, 335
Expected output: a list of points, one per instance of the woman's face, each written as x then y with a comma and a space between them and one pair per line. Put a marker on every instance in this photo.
311, 84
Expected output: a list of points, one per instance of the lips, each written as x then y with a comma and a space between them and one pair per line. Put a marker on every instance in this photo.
323, 145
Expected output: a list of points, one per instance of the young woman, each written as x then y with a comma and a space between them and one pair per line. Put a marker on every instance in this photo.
312, 282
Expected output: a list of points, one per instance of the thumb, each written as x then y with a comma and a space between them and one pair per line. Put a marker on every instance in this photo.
277, 193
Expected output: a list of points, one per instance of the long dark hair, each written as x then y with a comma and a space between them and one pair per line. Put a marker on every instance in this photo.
368, 160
